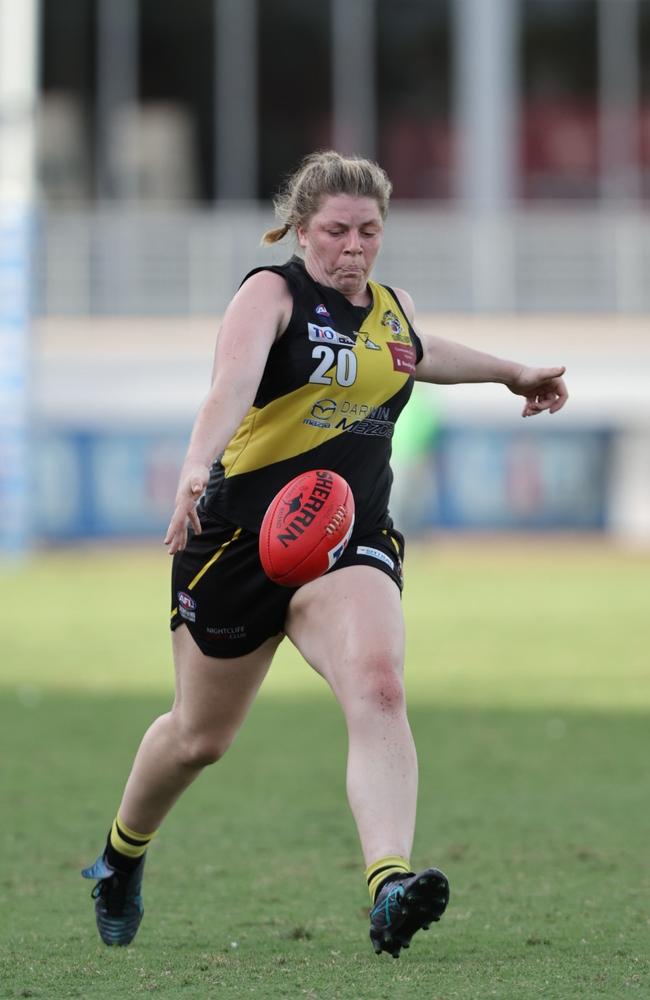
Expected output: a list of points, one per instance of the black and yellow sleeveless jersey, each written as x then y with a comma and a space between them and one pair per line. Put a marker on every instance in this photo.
334, 384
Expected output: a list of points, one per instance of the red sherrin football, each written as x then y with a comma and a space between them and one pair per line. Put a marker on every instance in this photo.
306, 527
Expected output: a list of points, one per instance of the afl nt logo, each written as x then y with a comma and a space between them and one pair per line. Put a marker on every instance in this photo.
323, 407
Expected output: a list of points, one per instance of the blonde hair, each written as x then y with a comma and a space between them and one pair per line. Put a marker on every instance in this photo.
327, 173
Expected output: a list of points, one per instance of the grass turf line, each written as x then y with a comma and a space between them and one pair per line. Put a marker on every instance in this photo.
532, 798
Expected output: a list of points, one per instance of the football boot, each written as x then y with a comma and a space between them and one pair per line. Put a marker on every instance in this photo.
406, 904
118, 901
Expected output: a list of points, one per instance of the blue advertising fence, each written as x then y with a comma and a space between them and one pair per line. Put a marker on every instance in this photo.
117, 483
495, 479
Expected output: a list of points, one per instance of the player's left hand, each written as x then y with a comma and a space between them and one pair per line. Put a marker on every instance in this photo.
544, 389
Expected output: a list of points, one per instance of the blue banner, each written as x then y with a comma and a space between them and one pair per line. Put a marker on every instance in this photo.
529, 479
94, 484
15, 247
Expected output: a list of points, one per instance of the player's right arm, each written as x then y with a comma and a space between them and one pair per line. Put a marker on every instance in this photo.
257, 315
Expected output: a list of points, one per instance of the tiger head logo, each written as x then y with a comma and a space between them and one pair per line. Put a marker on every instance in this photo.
393, 323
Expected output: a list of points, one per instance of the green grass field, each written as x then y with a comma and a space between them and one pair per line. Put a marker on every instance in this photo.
529, 686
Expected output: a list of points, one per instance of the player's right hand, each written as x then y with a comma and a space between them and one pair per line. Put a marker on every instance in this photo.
192, 484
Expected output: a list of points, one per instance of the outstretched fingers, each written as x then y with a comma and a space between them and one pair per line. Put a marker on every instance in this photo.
176, 537
185, 514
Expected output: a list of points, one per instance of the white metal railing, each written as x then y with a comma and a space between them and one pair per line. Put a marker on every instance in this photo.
190, 261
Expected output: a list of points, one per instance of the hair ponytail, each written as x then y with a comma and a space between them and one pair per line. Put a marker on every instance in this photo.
275, 235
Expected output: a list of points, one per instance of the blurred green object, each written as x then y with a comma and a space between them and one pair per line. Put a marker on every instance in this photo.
417, 429
414, 491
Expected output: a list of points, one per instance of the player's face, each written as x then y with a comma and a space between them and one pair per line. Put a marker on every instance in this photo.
341, 242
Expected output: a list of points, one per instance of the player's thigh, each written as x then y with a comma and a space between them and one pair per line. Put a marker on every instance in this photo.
221, 594
349, 626
213, 694
227, 620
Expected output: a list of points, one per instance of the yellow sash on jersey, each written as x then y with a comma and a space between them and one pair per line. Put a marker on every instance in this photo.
321, 410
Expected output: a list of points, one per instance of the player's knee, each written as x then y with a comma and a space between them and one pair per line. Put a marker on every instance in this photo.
202, 749
382, 688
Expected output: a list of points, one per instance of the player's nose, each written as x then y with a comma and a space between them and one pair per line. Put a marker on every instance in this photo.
353, 243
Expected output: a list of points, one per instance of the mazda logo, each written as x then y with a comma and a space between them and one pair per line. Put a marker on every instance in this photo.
323, 407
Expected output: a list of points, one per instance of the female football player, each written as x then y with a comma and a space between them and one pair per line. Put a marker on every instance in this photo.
313, 365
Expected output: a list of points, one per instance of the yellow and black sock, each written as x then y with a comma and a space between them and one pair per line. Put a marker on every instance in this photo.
382, 869
125, 847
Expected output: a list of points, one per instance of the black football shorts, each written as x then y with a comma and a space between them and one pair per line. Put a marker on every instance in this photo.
222, 594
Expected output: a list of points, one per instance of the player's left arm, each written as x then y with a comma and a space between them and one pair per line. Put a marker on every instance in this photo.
446, 362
